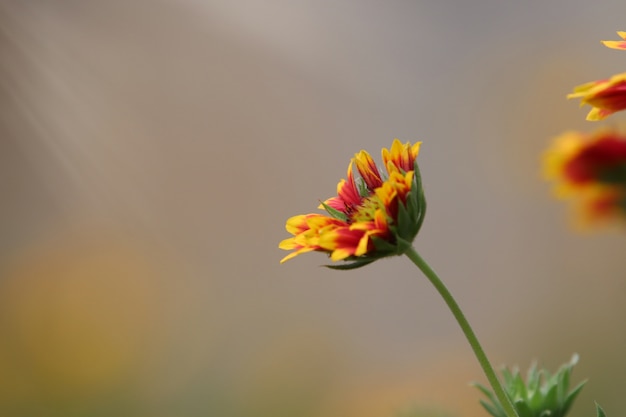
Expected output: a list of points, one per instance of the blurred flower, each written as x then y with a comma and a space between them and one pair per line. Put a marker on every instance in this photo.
591, 168
617, 44
605, 96
374, 215
579, 159
542, 395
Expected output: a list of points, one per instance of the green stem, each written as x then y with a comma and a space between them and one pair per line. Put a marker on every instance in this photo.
467, 330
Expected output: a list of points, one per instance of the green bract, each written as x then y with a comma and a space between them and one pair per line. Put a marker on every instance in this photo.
542, 395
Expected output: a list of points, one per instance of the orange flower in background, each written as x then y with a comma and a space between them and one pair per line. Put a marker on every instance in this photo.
578, 159
591, 169
617, 44
604, 96
374, 215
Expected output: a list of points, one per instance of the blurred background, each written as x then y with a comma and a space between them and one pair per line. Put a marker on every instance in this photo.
151, 151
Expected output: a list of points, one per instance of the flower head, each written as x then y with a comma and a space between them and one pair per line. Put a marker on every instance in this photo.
604, 96
374, 215
592, 170
617, 44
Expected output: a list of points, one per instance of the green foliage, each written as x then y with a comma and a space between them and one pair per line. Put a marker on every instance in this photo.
542, 395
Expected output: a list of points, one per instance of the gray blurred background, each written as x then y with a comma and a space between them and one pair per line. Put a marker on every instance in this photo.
151, 152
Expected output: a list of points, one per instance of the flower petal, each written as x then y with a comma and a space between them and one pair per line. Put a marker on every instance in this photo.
402, 156
617, 44
368, 170
341, 242
604, 96
347, 194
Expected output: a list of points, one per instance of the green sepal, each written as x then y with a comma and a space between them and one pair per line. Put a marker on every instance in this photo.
353, 265
334, 213
599, 411
402, 246
405, 225
420, 199
411, 212
362, 187
382, 246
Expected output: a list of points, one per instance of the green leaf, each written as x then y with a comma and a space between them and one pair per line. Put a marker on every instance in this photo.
520, 387
533, 377
563, 385
335, 213
495, 409
523, 409
551, 399
600, 411
495, 412
572, 396
508, 377
485, 391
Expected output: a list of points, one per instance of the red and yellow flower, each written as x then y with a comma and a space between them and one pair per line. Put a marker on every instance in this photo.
617, 44
374, 215
591, 169
604, 96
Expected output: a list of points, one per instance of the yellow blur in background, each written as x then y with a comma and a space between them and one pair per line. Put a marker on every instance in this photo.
151, 151
78, 315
